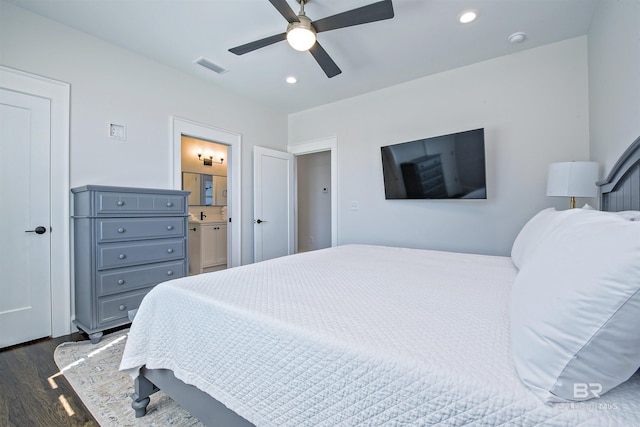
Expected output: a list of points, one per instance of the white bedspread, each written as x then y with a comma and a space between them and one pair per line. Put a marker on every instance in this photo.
355, 335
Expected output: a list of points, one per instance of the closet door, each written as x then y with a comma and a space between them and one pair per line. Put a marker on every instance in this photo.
25, 129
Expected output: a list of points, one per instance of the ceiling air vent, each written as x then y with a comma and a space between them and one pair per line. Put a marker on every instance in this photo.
206, 63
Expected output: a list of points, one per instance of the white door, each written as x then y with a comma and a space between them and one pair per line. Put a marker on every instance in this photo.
25, 288
273, 202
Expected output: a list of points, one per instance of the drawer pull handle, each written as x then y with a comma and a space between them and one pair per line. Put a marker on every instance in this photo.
169, 204
122, 307
121, 282
120, 230
170, 250
169, 227
120, 203
122, 256
170, 273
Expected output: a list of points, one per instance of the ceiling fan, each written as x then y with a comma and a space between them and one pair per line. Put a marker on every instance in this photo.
301, 31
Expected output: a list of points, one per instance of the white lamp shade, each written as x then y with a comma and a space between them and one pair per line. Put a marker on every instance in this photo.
572, 179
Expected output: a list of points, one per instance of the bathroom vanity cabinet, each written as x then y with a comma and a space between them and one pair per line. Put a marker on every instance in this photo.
207, 246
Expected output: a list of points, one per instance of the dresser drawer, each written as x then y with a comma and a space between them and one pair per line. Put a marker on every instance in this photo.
114, 229
428, 163
138, 203
128, 279
114, 255
117, 307
430, 174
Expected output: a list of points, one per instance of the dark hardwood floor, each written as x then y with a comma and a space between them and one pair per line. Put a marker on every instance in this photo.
33, 393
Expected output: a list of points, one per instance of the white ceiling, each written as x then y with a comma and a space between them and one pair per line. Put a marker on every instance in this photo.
423, 38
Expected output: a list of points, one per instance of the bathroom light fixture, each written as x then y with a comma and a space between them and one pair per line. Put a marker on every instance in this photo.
301, 35
572, 179
208, 160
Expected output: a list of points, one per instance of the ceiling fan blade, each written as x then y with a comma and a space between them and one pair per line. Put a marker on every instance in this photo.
285, 10
324, 60
371, 13
250, 47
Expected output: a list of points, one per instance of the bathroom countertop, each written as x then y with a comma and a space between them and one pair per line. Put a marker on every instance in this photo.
206, 221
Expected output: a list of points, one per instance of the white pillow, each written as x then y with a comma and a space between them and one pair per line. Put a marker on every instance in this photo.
533, 232
575, 306
630, 215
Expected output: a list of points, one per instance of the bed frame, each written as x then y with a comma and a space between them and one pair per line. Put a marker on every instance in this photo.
620, 191
201, 405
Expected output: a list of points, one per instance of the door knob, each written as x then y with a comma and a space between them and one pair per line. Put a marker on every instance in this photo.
38, 230
260, 221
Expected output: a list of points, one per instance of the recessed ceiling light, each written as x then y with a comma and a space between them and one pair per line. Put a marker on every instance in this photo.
468, 16
291, 80
516, 38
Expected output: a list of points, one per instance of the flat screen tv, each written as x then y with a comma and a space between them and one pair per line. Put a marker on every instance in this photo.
442, 167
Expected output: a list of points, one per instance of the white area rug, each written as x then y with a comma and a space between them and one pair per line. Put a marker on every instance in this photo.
92, 371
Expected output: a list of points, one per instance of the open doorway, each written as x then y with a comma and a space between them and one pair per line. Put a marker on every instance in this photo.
314, 200
325, 175
232, 141
204, 175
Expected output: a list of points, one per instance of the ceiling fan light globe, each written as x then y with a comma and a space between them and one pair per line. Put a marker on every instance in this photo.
301, 35
301, 38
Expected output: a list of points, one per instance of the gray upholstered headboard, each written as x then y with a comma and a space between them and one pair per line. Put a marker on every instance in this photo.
620, 191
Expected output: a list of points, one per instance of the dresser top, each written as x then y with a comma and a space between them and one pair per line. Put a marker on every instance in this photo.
128, 190
104, 201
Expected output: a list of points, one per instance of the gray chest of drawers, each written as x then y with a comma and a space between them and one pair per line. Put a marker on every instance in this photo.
423, 178
126, 241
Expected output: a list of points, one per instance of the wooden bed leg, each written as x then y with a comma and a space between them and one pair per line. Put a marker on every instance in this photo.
140, 405
143, 389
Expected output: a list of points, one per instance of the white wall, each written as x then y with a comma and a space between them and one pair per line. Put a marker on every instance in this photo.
614, 80
534, 108
110, 84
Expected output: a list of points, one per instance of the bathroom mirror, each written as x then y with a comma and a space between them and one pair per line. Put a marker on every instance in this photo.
206, 190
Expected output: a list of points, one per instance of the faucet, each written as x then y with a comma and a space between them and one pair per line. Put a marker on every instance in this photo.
202, 216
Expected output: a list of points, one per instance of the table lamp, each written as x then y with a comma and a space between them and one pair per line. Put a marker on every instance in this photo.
572, 179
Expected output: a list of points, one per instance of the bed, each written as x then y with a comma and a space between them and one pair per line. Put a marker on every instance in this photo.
372, 335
